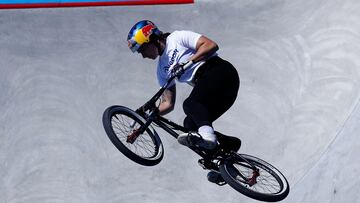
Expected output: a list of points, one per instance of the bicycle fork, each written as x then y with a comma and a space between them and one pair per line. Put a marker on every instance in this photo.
255, 172
137, 132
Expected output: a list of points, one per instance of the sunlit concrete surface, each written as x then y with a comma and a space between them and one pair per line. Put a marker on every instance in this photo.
298, 105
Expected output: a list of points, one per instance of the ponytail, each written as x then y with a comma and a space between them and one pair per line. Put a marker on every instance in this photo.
156, 38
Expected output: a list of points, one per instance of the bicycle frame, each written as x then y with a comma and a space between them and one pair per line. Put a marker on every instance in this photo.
164, 123
170, 126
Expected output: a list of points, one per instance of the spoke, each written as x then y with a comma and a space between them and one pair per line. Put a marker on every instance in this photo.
148, 143
266, 182
147, 146
140, 146
143, 146
119, 125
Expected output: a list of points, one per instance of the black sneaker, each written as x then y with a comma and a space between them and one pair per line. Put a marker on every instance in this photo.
228, 143
215, 177
194, 139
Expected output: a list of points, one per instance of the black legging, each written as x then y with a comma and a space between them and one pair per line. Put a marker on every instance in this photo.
216, 87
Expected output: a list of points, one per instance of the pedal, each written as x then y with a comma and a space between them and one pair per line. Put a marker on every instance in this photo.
207, 165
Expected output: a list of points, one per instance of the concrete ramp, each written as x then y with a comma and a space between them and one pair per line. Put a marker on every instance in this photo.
298, 105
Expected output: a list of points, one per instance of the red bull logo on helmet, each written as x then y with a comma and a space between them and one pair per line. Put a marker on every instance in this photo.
147, 30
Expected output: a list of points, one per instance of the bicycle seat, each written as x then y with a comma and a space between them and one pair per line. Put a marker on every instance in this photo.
228, 143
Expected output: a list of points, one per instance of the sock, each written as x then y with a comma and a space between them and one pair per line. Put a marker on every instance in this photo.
207, 133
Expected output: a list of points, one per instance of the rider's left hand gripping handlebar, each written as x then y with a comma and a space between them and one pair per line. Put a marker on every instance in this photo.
180, 68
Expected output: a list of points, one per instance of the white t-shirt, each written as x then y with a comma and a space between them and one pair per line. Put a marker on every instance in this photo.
180, 46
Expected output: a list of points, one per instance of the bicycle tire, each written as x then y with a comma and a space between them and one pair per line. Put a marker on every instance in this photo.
119, 122
230, 171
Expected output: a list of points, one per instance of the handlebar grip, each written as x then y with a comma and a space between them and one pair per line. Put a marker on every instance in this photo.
188, 65
181, 68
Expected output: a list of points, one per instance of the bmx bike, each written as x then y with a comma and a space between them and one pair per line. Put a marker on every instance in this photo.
133, 134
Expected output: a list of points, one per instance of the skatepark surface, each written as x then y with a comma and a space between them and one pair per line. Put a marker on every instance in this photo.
298, 105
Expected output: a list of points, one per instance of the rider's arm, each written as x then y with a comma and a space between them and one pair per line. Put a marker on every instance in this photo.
168, 100
204, 48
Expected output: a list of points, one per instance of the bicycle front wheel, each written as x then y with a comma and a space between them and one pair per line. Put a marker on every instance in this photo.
121, 124
264, 182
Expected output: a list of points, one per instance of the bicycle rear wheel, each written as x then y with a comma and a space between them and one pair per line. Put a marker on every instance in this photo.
121, 125
266, 183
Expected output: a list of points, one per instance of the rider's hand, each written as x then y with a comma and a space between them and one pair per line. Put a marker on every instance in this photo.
180, 68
